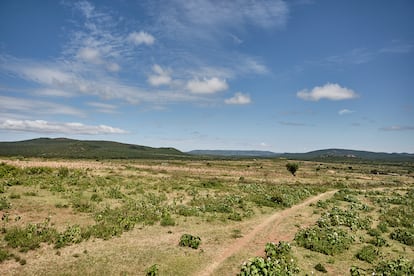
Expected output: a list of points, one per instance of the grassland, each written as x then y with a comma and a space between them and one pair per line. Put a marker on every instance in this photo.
119, 217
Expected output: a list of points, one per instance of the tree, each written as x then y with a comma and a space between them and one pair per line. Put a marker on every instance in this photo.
292, 167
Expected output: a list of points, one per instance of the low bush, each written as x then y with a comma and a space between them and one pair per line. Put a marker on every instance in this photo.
326, 240
405, 236
319, 267
152, 270
188, 240
30, 237
368, 254
278, 261
398, 267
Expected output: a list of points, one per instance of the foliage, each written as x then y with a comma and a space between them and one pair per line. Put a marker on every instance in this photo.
72, 234
339, 217
321, 268
4, 255
326, 240
188, 240
368, 254
4, 203
405, 236
278, 261
292, 167
152, 270
30, 237
167, 220
398, 267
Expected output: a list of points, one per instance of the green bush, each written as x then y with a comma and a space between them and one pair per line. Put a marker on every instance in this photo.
368, 254
405, 236
4, 203
30, 237
326, 240
399, 267
321, 268
292, 168
152, 270
167, 220
278, 261
188, 240
4, 255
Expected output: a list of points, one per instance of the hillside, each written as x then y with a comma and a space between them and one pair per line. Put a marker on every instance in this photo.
68, 148
235, 153
350, 155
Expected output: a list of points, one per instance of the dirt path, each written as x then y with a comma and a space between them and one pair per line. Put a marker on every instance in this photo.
266, 231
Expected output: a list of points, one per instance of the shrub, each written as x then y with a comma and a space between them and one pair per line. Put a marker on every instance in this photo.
4, 255
327, 240
167, 220
30, 237
188, 240
403, 236
368, 254
292, 167
278, 261
321, 268
4, 203
399, 267
152, 270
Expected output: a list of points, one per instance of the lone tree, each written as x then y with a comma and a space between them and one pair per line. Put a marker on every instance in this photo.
292, 167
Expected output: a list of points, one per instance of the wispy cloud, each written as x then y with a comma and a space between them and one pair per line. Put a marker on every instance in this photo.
345, 111
398, 128
239, 99
294, 124
330, 91
40, 126
36, 107
138, 38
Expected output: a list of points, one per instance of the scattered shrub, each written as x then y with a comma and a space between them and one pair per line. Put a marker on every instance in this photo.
368, 254
404, 236
292, 168
152, 270
399, 267
321, 268
167, 220
188, 240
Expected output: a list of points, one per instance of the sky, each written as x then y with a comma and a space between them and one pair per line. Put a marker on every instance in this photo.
282, 76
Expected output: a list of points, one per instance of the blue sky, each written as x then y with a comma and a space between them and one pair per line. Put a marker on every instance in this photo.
285, 76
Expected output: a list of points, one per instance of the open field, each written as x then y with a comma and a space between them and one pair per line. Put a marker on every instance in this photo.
119, 217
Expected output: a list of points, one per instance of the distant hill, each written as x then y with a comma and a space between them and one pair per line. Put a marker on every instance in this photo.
68, 148
235, 153
349, 155
318, 155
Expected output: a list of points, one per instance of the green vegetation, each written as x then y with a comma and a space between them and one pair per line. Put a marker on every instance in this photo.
188, 240
278, 261
127, 214
292, 167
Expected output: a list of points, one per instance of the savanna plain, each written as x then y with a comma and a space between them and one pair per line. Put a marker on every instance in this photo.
205, 217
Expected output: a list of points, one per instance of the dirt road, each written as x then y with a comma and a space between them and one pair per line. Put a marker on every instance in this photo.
268, 230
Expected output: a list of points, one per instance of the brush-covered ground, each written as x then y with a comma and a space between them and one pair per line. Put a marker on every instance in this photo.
113, 217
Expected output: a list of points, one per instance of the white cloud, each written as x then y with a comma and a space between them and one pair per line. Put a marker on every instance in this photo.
398, 128
90, 55
345, 111
113, 67
330, 91
162, 77
238, 98
30, 107
207, 86
51, 92
141, 38
41, 126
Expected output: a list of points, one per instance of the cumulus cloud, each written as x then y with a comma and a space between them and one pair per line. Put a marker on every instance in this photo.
330, 91
41, 126
207, 86
141, 38
238, 98
113, 67
161, 76
345, 111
